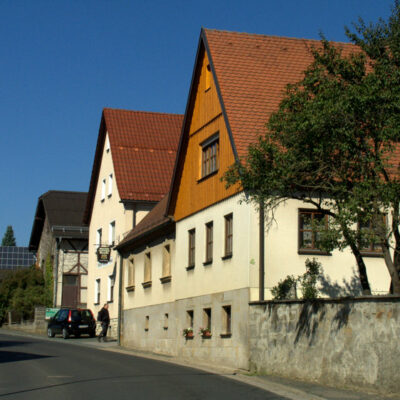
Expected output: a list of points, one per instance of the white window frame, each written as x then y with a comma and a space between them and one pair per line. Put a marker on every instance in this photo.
99, 234
103, 189
111, 233
110, 284
110, 184
97, 291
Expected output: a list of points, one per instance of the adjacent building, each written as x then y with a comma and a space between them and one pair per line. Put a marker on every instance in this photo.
60, 238
131, 173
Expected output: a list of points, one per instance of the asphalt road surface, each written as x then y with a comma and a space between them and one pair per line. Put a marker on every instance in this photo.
32, 368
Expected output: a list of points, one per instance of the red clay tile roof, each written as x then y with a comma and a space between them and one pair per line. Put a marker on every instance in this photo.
153, 220
252, 72
143, 147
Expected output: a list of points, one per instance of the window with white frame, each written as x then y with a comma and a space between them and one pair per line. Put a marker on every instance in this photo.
103, 189
166, 267
228, 234
110, 289
111, 233
97, 292
147, 268
110, 184
99, 234
130, 274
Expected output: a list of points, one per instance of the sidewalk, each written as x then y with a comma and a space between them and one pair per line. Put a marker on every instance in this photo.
288, 388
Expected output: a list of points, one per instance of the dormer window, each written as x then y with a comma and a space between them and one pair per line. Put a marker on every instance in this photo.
209, 160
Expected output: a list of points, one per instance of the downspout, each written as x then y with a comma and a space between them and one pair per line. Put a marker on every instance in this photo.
262, 253
56, 273
119, 323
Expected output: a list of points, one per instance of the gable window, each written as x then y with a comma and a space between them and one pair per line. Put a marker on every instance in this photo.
110, 184
103, 189
107, 145
311, 223
209, 243
131, 274
209, 155
147, 271
228, 235
111, 233
371, 232
192, 248
208, 77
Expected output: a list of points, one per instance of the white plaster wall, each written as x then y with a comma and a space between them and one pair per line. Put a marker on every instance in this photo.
103, 213
282, 256
158, 292
221, 275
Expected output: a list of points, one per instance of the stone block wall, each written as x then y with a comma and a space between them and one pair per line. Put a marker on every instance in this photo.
353, 343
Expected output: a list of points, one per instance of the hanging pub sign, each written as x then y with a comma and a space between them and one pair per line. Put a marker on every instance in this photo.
103, 254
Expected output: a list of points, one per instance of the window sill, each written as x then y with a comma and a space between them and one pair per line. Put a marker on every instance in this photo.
165, 328
313, 252
166, 279
97, 304
225, 335
146, 284
130, 288
371, 254
109, 195
209, 262
189, 268
146, 329
207, 89
110, 301
102, 200
226, 257
203, 178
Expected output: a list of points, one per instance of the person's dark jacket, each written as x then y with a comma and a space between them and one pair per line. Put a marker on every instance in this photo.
104, 316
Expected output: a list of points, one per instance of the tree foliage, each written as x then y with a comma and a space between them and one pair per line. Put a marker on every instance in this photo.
334, 144
21, 291
8, 238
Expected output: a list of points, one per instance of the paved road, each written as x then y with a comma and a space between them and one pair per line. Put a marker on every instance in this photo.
43, 369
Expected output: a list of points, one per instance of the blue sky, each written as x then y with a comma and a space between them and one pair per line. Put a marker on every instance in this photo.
63, 61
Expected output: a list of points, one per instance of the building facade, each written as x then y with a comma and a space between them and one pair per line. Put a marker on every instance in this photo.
60, 239
131, 172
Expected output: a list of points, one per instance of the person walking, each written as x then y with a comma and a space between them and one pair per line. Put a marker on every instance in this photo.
104, 318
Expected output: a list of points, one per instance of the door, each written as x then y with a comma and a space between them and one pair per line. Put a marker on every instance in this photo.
70, 291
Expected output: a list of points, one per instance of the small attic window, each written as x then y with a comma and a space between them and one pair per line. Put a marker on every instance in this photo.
208, 77
107, 145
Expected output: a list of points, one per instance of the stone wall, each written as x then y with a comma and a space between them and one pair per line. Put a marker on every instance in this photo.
159, 329
353, 343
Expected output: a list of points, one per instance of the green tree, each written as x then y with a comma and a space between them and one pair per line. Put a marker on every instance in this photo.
333, 144
21, 291
8, 238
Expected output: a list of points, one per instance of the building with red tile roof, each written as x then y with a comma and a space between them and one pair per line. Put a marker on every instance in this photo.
131, 173
220, 259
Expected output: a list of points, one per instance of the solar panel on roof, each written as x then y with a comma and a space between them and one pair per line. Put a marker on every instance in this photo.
12, 257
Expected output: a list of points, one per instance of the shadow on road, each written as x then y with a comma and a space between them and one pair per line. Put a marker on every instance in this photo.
11, 343
12, 356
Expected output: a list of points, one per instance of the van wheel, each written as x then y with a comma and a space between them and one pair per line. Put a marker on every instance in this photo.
65, 333
50, 332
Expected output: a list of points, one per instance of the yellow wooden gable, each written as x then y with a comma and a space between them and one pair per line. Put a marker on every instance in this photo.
206, 150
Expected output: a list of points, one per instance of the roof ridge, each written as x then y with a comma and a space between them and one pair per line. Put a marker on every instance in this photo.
274, 36
62, 191
141, 111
